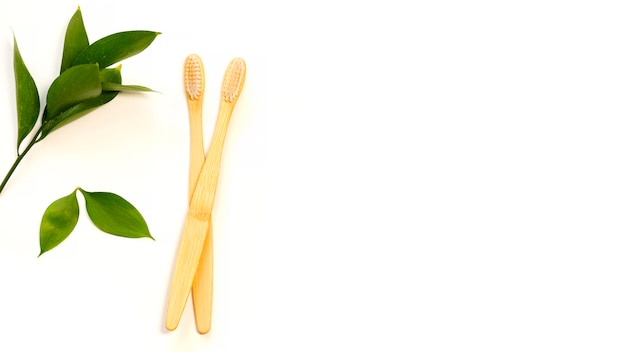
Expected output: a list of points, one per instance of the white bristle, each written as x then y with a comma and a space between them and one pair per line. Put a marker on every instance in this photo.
233, 80
193, 77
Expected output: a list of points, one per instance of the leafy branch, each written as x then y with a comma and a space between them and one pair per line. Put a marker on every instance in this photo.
85, 82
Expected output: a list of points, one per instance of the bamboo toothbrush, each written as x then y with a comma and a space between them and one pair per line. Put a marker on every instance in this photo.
202, 289
197, 222
194, 87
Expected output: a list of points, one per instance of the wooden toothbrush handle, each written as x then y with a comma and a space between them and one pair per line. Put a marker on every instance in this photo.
197, 222
196, 144
202, 286
187, 259
204, 193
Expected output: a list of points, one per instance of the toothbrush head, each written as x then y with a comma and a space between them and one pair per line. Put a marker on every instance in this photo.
233, 80
194, 77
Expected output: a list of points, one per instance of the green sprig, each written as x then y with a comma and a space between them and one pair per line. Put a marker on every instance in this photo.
84, 84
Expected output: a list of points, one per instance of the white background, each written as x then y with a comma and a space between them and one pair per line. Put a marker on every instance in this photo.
397, 176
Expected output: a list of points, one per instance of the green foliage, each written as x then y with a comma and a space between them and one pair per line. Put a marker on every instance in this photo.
83, 108
115, 48
108, 211
58, 222
84, 84
114, 87
75, 85
26, 95
113, 214
76, 40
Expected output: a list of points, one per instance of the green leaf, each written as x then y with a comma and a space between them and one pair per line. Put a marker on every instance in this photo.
114, 215
116, 47
73, 86
75, 40
114, 87
27, 96
113, 75
59, 220
81, 109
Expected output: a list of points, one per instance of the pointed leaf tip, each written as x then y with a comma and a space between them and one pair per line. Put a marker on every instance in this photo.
116, 47
76, 40
114, 87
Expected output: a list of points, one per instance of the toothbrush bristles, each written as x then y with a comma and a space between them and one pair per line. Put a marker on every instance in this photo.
193, 77
233, 80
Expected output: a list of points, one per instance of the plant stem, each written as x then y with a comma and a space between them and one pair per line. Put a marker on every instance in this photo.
19, 159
